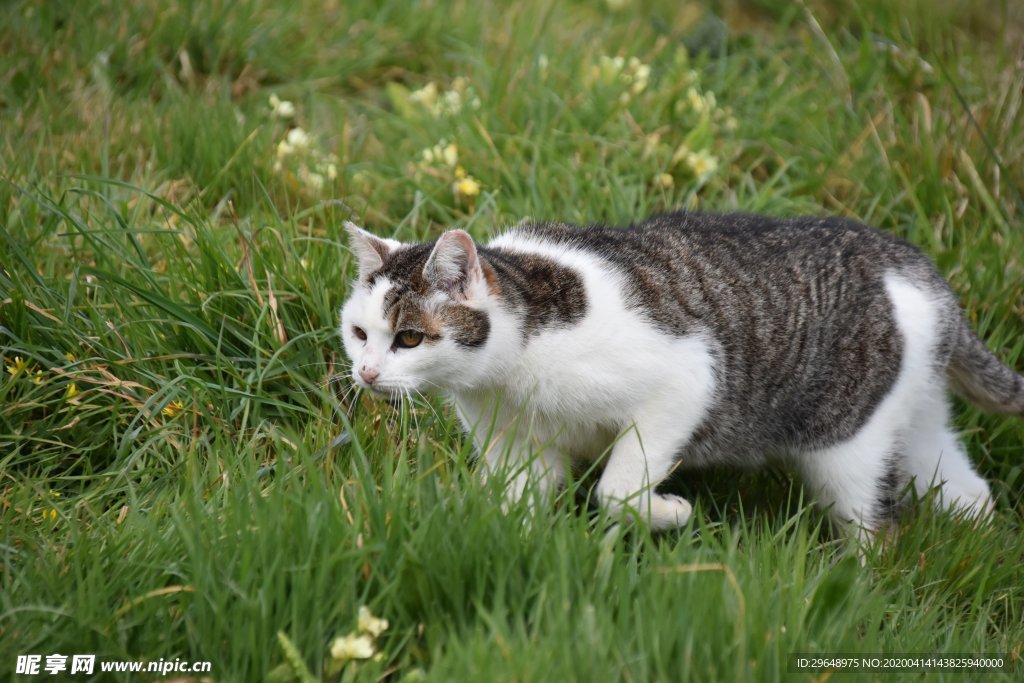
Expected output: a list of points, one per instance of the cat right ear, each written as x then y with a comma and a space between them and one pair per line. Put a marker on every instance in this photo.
369, 249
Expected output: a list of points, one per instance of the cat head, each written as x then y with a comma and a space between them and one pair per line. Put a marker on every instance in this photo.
419, 315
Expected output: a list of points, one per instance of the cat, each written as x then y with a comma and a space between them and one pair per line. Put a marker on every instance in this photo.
685, 340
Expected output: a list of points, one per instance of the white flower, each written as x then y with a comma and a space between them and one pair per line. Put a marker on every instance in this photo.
281, 109
451, 102
701, 104
370, 624
447, 102
444, 153
332, 172
633, 74
640, 76
298, 138
425, 96
313, 181
450, 154
352, 647
702, 163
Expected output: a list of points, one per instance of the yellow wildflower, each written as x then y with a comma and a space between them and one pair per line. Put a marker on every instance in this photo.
173, 408
665, 180
50, 515
69, 357
71, 392
467, 187
38, 377
370, 624
352, 647
16, 366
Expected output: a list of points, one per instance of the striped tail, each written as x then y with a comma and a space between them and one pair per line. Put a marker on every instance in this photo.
982, 379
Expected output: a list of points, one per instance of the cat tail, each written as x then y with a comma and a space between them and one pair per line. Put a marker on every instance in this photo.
981, 378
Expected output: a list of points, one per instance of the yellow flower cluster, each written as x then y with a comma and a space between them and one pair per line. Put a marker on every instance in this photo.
49, 514
703, 124
173, 408
465, 185
442, 161
19, 365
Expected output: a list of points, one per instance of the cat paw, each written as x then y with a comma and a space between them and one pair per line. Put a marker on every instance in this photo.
669, 511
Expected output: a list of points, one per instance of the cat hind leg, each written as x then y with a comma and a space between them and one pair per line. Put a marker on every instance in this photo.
859, 481
936, 458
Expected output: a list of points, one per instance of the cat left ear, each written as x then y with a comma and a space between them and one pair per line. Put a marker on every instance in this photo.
369, 249
453, 265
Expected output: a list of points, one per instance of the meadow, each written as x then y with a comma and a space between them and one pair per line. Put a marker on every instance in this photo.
181, 478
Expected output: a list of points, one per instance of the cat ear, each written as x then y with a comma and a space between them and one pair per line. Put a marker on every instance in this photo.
369, 249
453, 265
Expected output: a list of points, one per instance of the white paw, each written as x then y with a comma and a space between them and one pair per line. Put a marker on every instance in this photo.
669, 511
977, 505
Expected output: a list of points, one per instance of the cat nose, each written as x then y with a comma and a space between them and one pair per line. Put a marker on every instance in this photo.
369, 376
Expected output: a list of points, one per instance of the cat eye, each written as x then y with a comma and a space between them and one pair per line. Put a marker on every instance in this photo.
360, 333
406, 339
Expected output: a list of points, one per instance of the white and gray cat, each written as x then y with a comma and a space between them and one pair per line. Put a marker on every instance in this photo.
685, 340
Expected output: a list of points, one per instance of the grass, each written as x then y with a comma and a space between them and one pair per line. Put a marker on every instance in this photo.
179, 480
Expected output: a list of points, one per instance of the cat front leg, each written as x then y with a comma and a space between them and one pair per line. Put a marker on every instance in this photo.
509, 455
641, 459
678, 397
535, 475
